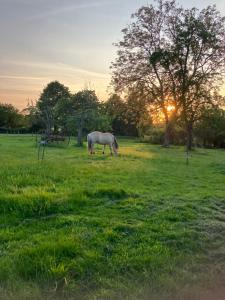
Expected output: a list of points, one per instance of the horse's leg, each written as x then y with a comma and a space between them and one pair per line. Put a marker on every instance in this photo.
92, 148
110, 146
103, 150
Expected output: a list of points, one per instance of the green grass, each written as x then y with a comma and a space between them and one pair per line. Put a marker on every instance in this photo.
138, 226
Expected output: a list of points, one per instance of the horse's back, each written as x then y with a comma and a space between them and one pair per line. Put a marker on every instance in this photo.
93, 134
106, 138
101, 137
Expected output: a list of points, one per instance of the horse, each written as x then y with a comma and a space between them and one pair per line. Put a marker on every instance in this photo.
102, 139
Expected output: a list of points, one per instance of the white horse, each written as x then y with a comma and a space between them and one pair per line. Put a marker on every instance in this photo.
102, 139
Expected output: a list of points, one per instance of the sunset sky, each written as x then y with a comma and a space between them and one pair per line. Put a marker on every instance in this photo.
70, 41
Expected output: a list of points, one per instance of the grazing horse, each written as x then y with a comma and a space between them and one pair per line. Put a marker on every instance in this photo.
102, 139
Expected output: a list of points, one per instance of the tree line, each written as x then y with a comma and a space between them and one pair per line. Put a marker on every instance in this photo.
59, 111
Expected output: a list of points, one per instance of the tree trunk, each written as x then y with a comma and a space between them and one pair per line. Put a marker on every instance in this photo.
80, 136
168, 128
166, 141
189, 142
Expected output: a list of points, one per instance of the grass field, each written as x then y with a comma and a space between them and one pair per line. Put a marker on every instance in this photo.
142, 225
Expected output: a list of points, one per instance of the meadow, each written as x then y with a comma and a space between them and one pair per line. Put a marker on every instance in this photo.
143, 225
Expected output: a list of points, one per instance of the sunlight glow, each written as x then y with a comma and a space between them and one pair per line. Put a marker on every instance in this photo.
170, 108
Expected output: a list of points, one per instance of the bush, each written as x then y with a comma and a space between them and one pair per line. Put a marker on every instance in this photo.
155, 136
210, 129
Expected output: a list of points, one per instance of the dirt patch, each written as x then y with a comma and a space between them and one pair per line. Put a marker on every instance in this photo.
217, 294
210, 294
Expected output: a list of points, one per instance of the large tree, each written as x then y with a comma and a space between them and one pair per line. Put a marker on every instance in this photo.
54, 96
196, 60
175, 56
139, 56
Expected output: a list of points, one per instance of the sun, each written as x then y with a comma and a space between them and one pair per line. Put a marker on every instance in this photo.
170, 108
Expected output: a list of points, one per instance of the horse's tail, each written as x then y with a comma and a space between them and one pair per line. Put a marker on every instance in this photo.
89, 143
115, 143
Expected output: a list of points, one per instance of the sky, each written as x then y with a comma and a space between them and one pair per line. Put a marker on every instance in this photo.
70, 41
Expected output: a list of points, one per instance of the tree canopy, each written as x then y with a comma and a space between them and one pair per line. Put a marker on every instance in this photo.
54, 95
9, 116
173, 55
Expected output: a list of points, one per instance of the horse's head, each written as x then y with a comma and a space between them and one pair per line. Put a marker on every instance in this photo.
115, 150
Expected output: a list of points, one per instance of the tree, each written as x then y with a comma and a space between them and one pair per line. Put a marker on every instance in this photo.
34, 122
129, 116
10, 116
138, 63
52, 98
116, 109
210, 128
138, 117
87, 113
175, 56
196, 60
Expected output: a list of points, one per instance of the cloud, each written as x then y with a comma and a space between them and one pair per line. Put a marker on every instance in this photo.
68, 8
20, 77
26, 79
65, 68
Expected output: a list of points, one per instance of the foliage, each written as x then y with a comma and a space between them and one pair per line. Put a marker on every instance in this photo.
34, 122
10, 116
199, 49
138, 117
129, 117
154, 136
138, 61
210, 128
78, 113
116, 109
54, 95
87, 113
173, 55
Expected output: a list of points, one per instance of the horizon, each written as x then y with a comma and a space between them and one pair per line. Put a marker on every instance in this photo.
70, 42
